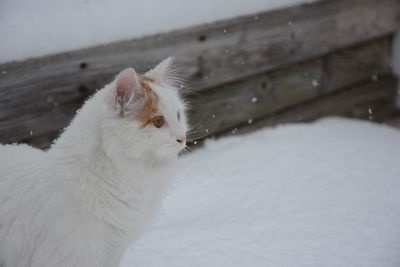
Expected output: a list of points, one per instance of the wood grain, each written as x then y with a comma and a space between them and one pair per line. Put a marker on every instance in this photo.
225, 108
374, 101
221, 52
233, 59
234, 105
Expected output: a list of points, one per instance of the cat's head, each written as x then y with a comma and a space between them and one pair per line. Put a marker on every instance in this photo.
147, 118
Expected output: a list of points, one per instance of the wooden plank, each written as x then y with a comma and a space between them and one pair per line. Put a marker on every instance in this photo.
217, 53
372, 101
225, 108
41, 95
231, 104
231, 49
360, 63
393, 119
221, 109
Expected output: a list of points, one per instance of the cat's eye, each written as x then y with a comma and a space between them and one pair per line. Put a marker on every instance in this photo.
158, 121
178, 115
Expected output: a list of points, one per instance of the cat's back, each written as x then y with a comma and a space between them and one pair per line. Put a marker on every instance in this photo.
20, 169
19, 165
18, 157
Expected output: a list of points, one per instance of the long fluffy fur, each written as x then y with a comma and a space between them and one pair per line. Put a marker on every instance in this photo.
82, 202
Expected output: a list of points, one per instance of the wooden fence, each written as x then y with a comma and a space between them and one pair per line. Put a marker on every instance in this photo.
330, 57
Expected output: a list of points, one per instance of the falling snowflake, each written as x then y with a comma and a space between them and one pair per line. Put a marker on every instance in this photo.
370, 117
254, 99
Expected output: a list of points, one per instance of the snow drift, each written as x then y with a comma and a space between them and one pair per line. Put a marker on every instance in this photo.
321, 194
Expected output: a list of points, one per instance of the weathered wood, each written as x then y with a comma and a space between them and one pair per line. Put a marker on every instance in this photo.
393, 119
217, 53
224, 108
41, 95
220, 109
373, 101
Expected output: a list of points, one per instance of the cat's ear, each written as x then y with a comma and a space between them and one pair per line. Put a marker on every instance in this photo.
166, 72
125, 87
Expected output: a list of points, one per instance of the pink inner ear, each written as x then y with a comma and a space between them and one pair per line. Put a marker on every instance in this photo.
126, 81
123, 88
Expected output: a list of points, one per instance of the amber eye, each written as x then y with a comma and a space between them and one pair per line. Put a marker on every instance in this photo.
158, 121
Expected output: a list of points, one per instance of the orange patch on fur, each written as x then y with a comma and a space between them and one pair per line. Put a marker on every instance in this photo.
150, 102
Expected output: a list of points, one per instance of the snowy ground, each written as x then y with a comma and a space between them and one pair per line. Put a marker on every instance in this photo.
321, 194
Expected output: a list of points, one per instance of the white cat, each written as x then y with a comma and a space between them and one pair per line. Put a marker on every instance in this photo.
83, 201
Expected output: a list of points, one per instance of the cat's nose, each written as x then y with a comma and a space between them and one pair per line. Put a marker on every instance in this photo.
181, 140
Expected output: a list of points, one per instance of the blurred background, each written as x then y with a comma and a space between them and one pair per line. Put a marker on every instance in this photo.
248, 64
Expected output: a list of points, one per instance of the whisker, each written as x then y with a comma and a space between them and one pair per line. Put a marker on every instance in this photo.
188, 149
193, 139
200, 121
195, 132
192, 136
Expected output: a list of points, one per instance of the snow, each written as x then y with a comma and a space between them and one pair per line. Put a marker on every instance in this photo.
320, 194
35, 28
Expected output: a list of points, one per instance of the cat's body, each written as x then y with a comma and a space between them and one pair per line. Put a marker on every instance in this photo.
82, 202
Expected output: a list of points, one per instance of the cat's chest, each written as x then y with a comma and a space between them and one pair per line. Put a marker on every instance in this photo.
133, 199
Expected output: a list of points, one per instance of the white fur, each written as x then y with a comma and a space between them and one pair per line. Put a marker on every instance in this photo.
84, 200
